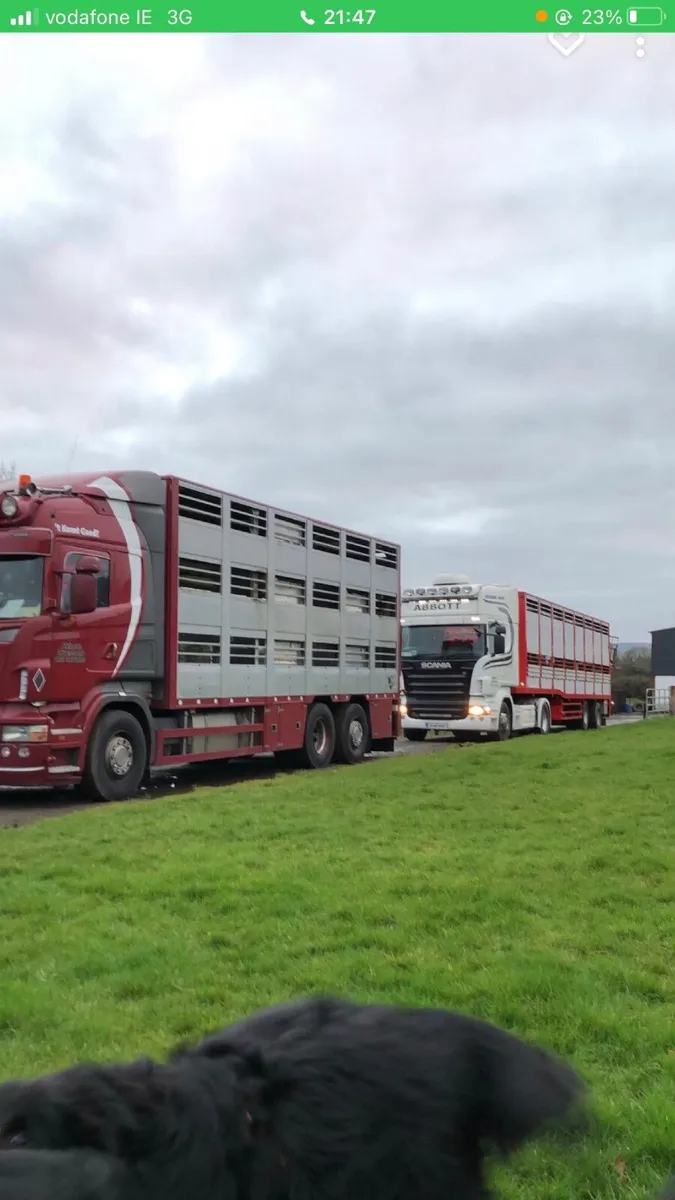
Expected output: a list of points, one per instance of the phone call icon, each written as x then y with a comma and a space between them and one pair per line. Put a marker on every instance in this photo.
306, 19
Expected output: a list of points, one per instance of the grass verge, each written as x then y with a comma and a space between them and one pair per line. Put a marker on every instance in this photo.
531, 883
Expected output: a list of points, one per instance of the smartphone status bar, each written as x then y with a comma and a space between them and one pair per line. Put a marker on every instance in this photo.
286, 16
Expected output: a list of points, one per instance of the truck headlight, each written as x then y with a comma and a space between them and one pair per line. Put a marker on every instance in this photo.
480, 710
403, 707
24, 733
9, 507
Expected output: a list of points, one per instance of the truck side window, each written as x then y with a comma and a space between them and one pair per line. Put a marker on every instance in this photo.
102, 580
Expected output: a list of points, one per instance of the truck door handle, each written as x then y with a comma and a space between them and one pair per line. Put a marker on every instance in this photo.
111, 650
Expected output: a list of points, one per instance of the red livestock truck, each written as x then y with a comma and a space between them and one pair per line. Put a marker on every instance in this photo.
487, 659
148, 622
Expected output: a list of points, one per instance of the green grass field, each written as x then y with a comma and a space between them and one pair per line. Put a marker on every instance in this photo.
531, 883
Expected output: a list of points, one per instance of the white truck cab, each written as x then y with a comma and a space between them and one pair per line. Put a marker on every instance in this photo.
458, 658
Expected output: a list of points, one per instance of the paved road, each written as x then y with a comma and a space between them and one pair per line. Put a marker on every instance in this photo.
23, 807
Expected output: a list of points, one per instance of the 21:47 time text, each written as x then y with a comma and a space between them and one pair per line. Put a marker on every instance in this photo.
343, 16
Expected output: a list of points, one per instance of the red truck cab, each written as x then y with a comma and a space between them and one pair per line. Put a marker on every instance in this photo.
64, 560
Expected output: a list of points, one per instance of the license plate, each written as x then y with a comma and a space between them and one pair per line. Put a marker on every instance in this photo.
438, 724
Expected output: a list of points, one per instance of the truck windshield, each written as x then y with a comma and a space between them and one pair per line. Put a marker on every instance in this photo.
443, 641
20, 586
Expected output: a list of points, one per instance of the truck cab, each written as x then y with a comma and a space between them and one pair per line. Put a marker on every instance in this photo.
458, 642
65, 605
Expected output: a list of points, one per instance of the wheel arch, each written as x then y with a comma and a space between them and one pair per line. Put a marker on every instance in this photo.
135, 706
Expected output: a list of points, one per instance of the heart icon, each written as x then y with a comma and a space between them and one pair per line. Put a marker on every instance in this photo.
566, 43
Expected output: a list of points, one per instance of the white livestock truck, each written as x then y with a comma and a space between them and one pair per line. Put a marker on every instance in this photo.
489, 660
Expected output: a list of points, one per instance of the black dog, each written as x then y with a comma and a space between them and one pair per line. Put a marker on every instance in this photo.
316, 1100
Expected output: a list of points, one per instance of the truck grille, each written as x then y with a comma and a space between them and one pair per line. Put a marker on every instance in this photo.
437, 695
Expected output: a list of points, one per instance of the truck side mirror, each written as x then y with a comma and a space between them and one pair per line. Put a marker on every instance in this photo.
83, 586
500, 643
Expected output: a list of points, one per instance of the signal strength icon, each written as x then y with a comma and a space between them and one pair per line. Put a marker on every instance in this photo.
24, 19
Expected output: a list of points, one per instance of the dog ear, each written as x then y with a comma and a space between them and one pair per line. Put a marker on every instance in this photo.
524, 1091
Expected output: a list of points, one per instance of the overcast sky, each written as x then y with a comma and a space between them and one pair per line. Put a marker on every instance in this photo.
422, 286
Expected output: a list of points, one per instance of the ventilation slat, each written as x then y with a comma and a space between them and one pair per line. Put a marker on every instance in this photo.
289, 652
289, 531
357, 656
357, 548
357, 600
385, 657
290, 589
386, 555
197, 575
201, 506
543, 608
248, 651
325, 595
386, 604
325, 654
199, 649
248, 583
248, 518
326, 539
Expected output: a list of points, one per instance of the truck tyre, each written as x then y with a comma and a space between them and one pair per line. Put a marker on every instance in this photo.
415, 735
597, 715
544, 718
505, 724
117, 757
319, 744
352, 734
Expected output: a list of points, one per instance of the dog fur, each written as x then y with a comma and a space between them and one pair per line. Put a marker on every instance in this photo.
315, 1100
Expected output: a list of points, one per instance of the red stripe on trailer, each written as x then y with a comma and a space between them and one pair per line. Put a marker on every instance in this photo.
522, 639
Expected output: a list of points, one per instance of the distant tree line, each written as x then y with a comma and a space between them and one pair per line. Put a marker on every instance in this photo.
631, 677
7, 470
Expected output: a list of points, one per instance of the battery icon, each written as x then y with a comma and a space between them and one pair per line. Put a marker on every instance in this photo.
645, 16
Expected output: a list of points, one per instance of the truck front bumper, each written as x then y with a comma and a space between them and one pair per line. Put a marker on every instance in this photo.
484, 724
52, 772
48, 757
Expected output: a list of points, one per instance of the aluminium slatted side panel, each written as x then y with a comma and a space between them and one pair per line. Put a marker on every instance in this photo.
365, 626
271, 604
568, 652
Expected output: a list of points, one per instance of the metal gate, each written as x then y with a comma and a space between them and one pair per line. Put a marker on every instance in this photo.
660, 702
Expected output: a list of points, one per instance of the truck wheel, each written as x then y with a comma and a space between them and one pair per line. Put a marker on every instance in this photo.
319, 745
352, 734
544, 718
415, 735
597, 715
117, 757
505, 725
